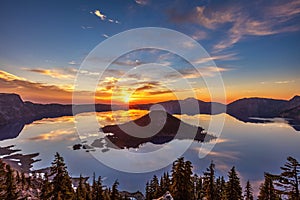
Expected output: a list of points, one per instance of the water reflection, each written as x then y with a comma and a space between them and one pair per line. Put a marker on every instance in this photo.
252, 147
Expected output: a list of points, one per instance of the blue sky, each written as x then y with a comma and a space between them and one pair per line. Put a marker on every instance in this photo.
257, 43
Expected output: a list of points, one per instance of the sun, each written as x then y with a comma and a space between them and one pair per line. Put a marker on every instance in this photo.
126, 98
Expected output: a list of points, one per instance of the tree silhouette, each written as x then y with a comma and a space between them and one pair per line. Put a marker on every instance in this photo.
62, 184
11, 190
114, 191
233, 186
288, 181
97, 190
46, 188
248, 193
266, 190
209, 182
182, 181
220, 188
2, 180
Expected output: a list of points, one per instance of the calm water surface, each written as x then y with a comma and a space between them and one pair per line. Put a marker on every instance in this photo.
252, 148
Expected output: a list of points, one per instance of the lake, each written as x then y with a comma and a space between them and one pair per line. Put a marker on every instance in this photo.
254, 148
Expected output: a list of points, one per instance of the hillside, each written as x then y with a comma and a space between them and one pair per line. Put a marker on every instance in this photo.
243, 109
14, 110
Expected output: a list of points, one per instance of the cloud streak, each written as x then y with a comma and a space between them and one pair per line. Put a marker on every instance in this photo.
264, 18
142, 2
34, 91
66, 73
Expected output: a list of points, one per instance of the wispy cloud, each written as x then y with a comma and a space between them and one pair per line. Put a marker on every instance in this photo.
72, 62
86, 27
191, 73
103, 17
266, 18
199, 35
104, 35
62, 73
285, 82
231, 56
142, 2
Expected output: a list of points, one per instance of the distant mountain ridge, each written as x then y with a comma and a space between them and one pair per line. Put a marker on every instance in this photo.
186, 106
245, 108
14, 110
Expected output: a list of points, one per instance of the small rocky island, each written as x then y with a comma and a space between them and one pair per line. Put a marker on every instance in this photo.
157, 127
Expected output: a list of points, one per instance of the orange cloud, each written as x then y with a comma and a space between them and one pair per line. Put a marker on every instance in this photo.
68, 73
34, 91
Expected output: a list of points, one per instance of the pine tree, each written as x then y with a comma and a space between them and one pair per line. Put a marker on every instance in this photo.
182, 180
23, 180
46, 188
149, 193
62, 184
288, 180
114, 191
80, 191
97, 191
266, 190
88, 194
198, 187
18, 178
233, 186
248, 194
11, 190
165, 183
220, 188
154, 187
2, 180
209, 182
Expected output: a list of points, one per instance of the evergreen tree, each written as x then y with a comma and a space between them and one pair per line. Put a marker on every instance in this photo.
233, 186
62, 184
198, 187
28, 181
288, 180
149, 193
248, 194
220, 188
182, 180
209, 182
154, 187
80, 191
18, 178
266, 190
88, 194
46, 188
167, 182
23, 180
2, 180
97, 191
114, 191
106, 194
11, 190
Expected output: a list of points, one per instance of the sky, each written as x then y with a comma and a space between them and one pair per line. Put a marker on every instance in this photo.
254, 44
